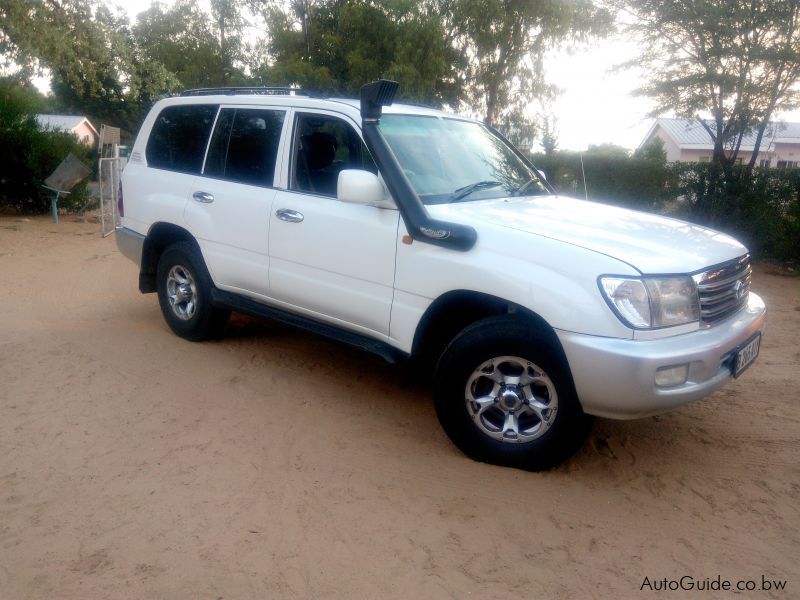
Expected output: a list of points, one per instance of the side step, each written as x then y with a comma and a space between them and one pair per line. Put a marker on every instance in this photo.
250, 307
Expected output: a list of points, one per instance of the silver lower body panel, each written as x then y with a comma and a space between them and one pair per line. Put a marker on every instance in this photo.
615, 378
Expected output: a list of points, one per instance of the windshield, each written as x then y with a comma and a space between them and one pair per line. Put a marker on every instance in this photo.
449, 160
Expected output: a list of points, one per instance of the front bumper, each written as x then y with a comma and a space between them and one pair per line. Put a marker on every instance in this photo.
615, 378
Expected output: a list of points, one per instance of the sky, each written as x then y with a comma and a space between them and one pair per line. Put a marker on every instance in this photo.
596, 106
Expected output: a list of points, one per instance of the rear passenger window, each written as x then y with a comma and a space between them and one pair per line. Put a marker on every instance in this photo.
179, 136
244, 146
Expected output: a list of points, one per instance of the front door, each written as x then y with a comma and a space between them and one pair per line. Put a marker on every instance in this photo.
331, 259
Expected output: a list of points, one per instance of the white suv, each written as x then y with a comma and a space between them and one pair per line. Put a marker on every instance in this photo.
417, 234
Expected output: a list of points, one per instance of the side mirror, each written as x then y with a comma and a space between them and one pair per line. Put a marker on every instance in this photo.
360, 187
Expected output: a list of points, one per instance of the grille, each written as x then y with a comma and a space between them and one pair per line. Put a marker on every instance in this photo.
723, 289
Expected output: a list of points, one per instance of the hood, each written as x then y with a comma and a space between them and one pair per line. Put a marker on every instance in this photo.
650, 243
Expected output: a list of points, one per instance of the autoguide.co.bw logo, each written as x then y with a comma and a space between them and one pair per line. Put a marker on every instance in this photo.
689, 583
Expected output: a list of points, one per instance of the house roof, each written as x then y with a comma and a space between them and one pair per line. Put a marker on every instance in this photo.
63, 122
688, 133
787, 131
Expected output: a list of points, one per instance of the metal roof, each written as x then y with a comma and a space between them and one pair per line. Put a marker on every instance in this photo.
62, 122
688, 133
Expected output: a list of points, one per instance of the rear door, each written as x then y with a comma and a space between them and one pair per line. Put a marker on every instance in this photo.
174, 155
329, 258
229, 207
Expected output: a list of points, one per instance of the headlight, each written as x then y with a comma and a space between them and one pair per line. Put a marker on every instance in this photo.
652, 302
673, 301
629, 299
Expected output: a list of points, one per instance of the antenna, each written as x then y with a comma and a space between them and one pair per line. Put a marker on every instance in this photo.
585, 192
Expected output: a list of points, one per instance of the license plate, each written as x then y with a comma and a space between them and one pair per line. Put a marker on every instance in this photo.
746, 355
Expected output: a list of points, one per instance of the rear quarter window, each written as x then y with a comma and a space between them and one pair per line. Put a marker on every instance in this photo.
178, 139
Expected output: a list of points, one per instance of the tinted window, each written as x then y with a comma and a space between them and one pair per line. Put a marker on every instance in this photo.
178, 138
218, 149
244, 146
324, 146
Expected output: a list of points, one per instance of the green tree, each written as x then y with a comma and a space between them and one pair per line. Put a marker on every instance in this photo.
502, 43
228, 20
336, 47
549, 140
737, 60
654, 150
65, 38
608, 150
88, 49
194, 49
28, 154
19, 103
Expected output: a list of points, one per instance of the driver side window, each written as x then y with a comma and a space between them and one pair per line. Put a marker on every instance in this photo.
322, 147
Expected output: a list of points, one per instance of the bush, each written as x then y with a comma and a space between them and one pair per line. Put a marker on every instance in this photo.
29, 154
760, 208
612, 176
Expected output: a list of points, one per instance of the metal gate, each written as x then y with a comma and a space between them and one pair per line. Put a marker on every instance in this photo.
110, 170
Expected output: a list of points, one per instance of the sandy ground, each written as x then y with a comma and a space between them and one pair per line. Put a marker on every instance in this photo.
274, 464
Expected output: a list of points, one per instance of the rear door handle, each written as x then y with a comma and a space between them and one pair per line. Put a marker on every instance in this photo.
291, 216
203, 197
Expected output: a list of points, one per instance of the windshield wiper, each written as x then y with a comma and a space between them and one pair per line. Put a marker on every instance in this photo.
465, 191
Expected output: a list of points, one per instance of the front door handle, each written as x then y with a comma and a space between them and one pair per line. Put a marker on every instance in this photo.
203, 197
291, 216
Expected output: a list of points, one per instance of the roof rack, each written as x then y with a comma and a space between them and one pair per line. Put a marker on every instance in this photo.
251, 90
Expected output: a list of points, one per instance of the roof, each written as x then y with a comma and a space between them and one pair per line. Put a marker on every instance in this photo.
63, 122
347, 105
689, 133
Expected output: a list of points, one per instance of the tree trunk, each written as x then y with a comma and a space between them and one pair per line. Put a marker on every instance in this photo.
757, 147
223, 49
491, 104
305, 17
493, 87
762, 127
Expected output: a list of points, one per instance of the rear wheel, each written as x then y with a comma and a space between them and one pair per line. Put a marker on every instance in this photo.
504, 395
184, 293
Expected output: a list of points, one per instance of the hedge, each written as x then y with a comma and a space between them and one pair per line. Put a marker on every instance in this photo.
29, 154
761, 209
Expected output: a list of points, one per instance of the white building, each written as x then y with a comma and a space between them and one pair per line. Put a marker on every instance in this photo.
687, 140
75, 124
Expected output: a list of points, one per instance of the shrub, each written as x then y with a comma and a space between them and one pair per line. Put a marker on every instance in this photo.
612, 176
29, 154
760, 208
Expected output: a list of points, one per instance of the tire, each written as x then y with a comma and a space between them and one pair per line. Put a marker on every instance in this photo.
504, 395
184, 293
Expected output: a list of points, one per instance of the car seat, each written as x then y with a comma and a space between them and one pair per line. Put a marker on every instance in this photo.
316, 158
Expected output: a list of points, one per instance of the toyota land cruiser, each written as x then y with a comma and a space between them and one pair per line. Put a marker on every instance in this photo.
417, 234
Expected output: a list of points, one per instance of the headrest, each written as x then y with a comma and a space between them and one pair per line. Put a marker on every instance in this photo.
320, 149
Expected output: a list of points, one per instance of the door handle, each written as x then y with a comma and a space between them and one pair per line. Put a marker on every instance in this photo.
291, 216
203, 197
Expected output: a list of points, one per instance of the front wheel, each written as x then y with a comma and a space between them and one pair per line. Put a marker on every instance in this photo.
504, 395
184, 293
